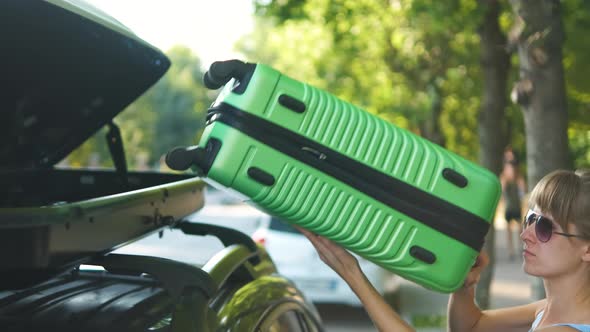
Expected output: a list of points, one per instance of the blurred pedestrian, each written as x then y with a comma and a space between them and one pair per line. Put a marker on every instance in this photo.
513, 190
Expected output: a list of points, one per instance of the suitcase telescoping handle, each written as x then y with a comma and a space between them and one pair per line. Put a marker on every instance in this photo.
221, 72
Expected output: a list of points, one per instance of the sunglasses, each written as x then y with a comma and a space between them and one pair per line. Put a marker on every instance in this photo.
543, 226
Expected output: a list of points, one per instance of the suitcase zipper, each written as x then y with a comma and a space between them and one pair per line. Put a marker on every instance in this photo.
432, 211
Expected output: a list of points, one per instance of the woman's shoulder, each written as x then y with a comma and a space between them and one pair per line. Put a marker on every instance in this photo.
566, 328
539, 306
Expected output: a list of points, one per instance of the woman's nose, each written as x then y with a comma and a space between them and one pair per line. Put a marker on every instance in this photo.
527, 232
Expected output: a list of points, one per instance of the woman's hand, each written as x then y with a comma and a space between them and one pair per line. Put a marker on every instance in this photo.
347, 266
463, 314
473, 277
336, 257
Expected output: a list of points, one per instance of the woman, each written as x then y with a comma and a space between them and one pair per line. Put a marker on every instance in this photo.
513, 189
556, 239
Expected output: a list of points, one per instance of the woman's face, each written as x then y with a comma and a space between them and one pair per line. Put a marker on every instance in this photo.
559, 255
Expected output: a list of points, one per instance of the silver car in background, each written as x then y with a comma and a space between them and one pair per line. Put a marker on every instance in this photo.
295, 257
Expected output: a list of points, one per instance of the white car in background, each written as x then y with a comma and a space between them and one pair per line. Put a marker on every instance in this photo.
293, 254
297, 259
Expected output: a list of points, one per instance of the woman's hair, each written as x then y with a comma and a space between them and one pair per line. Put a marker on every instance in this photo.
566, 196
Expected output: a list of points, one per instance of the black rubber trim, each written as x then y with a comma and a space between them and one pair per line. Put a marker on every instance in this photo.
430, 210
227, 236
176, 276
243, 82
211, 150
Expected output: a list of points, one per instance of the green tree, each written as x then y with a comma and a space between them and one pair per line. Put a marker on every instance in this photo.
493, 136
576, 55
407, 61
542, 89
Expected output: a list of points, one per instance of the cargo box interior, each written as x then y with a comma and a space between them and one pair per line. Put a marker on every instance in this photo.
28, 188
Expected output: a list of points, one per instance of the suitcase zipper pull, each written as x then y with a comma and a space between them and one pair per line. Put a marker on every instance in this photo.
314, 152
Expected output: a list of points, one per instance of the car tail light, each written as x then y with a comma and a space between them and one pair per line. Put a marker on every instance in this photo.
259, 236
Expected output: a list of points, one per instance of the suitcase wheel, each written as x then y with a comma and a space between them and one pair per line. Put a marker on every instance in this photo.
182, 158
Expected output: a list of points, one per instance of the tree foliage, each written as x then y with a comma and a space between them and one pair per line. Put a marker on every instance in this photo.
410, 62
576, 60
413, 62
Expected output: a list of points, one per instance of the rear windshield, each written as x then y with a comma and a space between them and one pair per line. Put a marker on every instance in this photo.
281, 226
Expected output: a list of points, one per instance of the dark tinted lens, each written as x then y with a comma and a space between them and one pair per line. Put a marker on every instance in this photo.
544, 229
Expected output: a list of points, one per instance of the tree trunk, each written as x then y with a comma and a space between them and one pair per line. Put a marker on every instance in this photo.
541, 89
495, 63
430, 127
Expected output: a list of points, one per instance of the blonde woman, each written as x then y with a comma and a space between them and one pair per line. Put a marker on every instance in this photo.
556, 243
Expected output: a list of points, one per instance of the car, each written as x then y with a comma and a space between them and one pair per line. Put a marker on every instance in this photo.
85, 249
237, 289
293, 254
298, 260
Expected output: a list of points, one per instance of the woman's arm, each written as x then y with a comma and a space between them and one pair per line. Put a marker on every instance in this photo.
346, 265
463, 313
513, 319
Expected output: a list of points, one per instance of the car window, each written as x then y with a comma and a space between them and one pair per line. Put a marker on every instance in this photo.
281, 226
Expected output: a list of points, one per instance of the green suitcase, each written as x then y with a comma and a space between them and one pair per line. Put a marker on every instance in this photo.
319, 162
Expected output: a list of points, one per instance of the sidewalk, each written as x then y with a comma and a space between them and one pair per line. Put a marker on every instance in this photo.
510, 286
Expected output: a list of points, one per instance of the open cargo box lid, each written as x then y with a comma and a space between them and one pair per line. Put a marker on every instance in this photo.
67, 70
